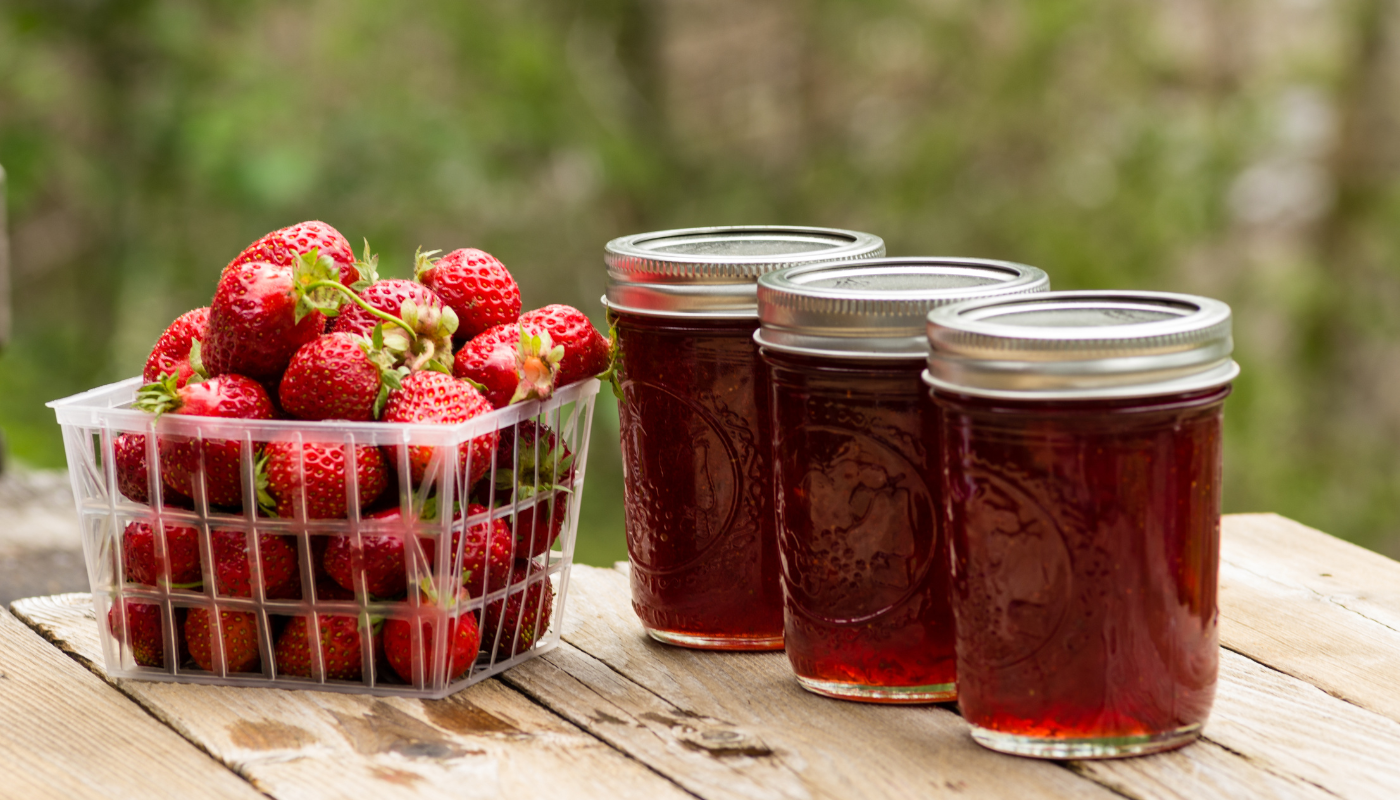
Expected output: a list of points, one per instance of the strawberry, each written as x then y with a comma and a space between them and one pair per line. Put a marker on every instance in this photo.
486, 557
281, 247
585, 349
144, 566
285, 464
549, 347
176, 351
340, 648
380, 558
326, 586
263, 313
518, 621
133, 478
228, 396
533, 464
334, 377
441, 399
233, 569
239, 636
463, 641
486, 560
422, 311
139, 625
474, 284
507, 367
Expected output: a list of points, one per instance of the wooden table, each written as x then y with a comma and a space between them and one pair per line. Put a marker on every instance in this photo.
1308, 707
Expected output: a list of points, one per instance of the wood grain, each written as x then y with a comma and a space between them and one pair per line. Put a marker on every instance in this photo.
820, 747
66, 733
487, 741
1314, 607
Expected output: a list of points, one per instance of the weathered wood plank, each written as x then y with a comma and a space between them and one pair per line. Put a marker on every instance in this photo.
66, 733
819, 747
1286, 725
487, 741
1314, 607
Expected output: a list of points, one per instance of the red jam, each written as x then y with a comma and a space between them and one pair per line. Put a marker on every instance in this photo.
696, 461
1085, 539
867, 614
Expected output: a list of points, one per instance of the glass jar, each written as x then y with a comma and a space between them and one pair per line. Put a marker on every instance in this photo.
1081, 436
865, 577
693, 410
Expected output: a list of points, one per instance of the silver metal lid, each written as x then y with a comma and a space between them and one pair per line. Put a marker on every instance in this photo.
711, 272
1081, 345
876, 308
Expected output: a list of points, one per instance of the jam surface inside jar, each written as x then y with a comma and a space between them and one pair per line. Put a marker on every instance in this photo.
1085, 542
697, 490
865, 577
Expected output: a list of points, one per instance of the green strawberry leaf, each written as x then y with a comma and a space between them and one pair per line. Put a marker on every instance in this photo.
159, 396
422, 262
266, 502
201, 374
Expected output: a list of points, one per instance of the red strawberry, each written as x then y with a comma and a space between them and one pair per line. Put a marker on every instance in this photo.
416, 305
380, 558
261, 316
526, 614
142, 632
560, 347
240, 640
133, 478
326, 587
475, 285
585, 349
281, 247
463, 641
233, 569
281, 472
340, 648
543, 471
171, 355
143, 566
486, 562
443, 400
333, 377
487, 555
228, 396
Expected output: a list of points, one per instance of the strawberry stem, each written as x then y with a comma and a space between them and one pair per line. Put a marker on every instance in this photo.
387, 317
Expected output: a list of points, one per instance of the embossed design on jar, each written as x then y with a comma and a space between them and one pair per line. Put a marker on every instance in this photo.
1016, 600
868, 522
690, 455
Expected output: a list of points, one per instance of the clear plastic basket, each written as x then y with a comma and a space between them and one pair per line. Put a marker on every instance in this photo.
92, 423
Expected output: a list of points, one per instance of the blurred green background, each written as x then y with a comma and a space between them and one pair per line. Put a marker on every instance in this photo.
1243, 149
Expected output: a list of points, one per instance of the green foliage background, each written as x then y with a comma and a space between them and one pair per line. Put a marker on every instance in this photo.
1229, 149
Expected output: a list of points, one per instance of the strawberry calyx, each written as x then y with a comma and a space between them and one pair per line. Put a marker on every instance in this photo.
267, 504
537, 360
422, 262
613, 374
159, 397
387, 355
201, 373
367, 267
317, 287
537, 471
432, 347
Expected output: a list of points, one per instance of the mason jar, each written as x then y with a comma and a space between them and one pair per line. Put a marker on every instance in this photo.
693, 408
865, 576
1081, 436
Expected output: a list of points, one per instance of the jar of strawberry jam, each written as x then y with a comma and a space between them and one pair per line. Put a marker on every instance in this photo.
865, 575
693, 408
1081, 470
